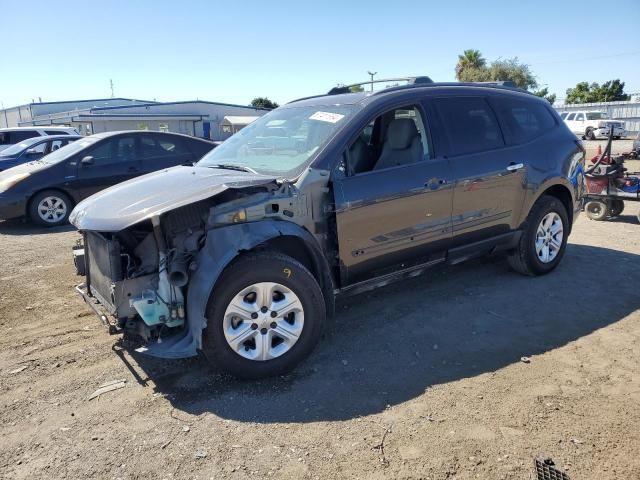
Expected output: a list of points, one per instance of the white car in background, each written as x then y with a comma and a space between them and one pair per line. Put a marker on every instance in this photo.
593, 125
11, 136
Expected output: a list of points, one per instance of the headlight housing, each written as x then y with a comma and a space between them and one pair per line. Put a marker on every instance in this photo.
10, 181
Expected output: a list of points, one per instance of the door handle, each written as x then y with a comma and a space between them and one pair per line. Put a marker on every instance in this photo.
512, 167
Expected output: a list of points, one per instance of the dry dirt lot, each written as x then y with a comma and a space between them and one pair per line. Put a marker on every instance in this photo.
421, 380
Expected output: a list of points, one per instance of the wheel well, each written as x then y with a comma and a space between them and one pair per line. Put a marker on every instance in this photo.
563, 194
295, 248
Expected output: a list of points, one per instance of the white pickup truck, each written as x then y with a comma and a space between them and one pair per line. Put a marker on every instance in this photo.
593, 125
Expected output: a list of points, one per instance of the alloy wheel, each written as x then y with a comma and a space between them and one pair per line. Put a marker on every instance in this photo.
549, 236
52, 209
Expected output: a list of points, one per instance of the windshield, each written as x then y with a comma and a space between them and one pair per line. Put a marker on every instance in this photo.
69, 150
19, 147
597, 116
282, 140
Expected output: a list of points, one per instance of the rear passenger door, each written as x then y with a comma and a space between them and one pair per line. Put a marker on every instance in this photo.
158, 152
489, 181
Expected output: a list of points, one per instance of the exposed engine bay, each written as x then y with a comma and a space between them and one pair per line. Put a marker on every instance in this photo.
137, 279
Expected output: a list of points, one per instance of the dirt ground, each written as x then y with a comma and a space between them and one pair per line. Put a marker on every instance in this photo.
421, 380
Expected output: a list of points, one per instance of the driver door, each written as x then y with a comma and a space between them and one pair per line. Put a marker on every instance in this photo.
393, 198
113, 160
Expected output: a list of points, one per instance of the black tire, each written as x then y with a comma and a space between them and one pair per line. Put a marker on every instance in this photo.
56, 220
589, 134
617, 207
596, 210
524, 258
244, 272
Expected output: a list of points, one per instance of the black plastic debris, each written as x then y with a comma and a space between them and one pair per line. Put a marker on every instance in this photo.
546, 470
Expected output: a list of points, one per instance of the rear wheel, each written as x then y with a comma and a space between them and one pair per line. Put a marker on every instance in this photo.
50, 208
265, 316
596, 210
544, 238
590, 134
617, 207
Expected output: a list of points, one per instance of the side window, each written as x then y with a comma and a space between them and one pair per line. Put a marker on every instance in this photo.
580, 117
571, 116
56, 144
125, 149
103, 153
563, 115
395, 138
172, 146
523, 120
21, 135
470, 125
39, 148
56, 132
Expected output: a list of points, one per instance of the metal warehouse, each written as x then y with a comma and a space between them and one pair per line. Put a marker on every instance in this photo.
198, 117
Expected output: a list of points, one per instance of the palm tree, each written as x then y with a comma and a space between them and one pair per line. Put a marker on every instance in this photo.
469, 60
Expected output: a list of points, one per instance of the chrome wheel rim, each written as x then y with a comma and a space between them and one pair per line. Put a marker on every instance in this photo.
263, 321
52, 209
549, 237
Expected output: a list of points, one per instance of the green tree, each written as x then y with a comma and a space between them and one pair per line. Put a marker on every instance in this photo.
512, 70
610, 91
544, 93
356, 88
263, 102
470, 65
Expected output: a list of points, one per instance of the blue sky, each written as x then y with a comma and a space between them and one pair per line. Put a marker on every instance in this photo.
233, 51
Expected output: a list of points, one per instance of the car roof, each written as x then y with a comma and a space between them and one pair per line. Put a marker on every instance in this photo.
363, 98
145, 132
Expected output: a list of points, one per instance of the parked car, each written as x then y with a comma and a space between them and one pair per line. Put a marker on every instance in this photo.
593, 125
241, 256
636, 143
47, 190
33, 149
11, 136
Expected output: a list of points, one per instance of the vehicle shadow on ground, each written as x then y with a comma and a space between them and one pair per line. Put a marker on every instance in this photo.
633, 219
388, 346
20, 226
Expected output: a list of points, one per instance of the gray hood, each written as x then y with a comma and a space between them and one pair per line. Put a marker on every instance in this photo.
141, 198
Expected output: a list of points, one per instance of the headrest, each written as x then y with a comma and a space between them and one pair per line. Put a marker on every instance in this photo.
401, 133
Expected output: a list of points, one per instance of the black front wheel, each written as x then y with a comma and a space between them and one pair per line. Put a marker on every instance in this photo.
265, 316
544, 238
617, 207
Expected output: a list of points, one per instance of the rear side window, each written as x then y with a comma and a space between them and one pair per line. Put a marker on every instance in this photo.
151, 147
56, 132
523, 120
470, 125
571, 116
17, 136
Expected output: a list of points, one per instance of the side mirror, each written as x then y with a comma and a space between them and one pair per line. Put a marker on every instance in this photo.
88, 160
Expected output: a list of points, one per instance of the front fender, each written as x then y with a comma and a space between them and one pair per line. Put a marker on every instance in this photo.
222, 245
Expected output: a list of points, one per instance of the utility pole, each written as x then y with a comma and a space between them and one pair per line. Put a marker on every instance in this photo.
372, 74
111, 85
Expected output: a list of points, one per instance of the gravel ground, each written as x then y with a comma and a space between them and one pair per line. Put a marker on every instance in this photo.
423, 379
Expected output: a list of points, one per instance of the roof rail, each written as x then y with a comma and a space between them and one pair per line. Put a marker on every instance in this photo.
410, 81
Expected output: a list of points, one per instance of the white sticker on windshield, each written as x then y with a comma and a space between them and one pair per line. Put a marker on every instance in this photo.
327, 117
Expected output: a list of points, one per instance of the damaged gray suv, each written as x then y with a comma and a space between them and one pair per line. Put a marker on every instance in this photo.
242, 255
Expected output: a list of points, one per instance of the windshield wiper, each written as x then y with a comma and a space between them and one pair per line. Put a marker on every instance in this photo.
228, 166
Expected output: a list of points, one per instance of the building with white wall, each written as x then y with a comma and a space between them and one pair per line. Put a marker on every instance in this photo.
198, 118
